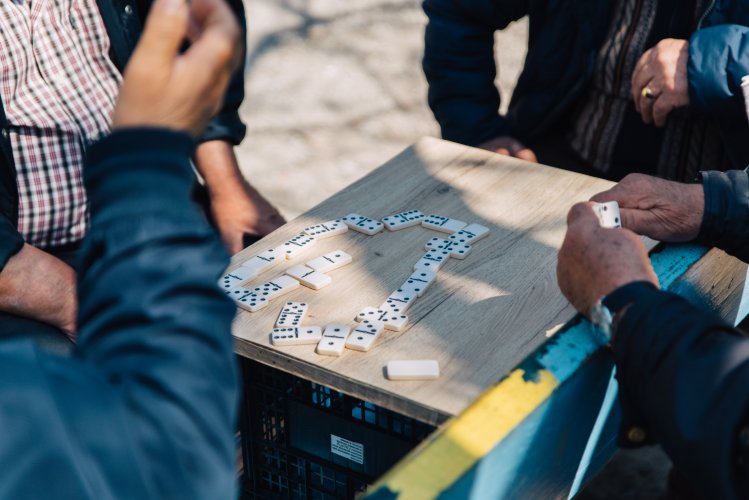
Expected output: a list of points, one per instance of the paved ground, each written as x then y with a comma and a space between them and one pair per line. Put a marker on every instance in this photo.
334, 89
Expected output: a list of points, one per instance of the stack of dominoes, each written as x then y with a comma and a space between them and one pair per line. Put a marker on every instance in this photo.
371, 322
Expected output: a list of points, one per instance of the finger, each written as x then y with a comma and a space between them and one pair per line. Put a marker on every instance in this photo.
526, 154
636, 76
582, 213
646, 106
218, 42
164, 32
622, 194
642, 222
502, 151
661, 109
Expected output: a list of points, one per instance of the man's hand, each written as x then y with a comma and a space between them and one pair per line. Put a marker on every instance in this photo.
237, 208
659, 83
163, 88
659, 209
595, 261
36, 285
509, 146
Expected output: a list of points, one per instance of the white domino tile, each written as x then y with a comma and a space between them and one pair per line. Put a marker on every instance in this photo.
422, 369
363, 224
309, 277
395, 322
364, 335
470, 234
236, 277
301, 335
403, 220
399, 301
327, 229
259, 297
443, 224
419, 281
330, 261
292, 314
247, 299
264, 261
333, 340
457, 250
432, 261
297, 245
608, 214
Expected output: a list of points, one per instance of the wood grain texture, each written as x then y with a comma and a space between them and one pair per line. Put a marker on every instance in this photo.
483, 315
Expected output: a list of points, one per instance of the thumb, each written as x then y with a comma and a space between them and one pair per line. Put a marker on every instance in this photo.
164, 33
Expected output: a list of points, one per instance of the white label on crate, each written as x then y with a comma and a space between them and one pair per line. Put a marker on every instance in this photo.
347, 449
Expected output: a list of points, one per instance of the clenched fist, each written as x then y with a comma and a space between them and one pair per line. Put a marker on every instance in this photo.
162, 87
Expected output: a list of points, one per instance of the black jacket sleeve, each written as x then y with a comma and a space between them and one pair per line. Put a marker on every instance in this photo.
725, 223
227, 125
684, 381
145, 407
460, 69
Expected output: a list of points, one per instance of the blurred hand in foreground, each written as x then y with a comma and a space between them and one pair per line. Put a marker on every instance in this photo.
595, 261
162, 87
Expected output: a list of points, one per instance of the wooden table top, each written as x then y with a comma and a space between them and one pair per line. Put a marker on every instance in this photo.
483, 315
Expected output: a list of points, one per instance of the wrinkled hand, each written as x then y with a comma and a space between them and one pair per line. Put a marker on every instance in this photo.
509, 146
244, 213
663, 70
595, 261
162, 87
659, 209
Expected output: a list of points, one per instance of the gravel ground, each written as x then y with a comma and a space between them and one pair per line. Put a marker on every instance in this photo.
335, 89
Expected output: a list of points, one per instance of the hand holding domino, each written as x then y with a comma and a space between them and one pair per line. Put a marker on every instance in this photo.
608, 214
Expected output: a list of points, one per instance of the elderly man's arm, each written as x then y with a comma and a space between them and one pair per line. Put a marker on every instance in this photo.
714, 213
684, 373
459, 66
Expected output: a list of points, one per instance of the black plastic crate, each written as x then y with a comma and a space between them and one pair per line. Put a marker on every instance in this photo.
304, 440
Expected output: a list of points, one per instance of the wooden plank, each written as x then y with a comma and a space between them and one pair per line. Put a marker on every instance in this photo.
486, 452
484, 314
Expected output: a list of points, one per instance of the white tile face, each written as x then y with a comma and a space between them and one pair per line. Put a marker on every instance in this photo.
399, 301
363, 224
442, 224
236, 277
333, 340
296, 246
268, 291
292, 314
608, 214
309, 277
302, 335
330, 261
364, 336
470, 234
457, 250
264, 261
248, 300
422, 369
403, 220
327, 229
419, 281
394, 322
432, 261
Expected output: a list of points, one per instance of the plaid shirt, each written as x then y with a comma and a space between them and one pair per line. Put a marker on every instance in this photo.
58, 87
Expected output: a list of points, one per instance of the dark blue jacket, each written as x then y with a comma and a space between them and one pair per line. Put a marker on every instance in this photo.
124, 20
564, 39
684, 372
145, 406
